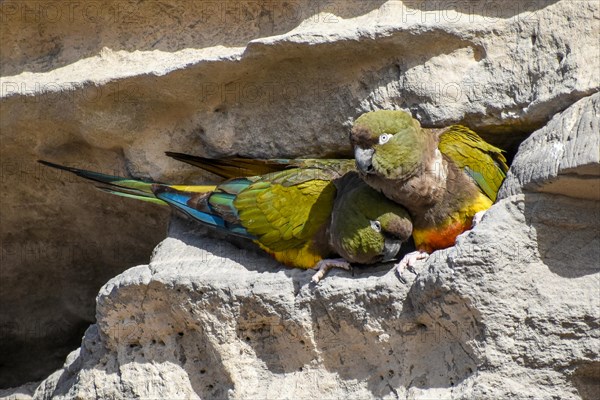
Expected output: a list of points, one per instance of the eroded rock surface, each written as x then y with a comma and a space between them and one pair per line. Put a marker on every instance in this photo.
561, 158
111, 85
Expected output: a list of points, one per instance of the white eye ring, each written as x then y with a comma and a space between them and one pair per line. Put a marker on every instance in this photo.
383, 139
376, 225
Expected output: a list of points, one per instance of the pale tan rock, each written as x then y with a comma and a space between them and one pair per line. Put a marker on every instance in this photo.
112, 86
563, 157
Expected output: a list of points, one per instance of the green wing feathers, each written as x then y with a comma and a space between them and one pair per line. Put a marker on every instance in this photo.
483, 162
288, 201
286, 216
283, 211
285, 206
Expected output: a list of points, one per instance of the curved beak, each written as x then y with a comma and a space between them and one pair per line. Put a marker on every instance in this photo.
391, 248
364, 159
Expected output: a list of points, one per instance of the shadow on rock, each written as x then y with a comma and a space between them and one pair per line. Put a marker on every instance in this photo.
379, 337
566, 231
216, 245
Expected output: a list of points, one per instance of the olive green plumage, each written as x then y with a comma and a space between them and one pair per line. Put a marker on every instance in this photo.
363, 220
287, 209
442, 176
398, 156
480, 160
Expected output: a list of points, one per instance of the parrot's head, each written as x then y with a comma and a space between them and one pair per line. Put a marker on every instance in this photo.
388, 143
371, 228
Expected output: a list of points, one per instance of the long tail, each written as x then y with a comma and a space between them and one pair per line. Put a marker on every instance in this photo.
201, 202
234, 167
117, 185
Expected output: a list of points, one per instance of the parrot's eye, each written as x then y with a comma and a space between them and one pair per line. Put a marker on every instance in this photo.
376, 225
383, 139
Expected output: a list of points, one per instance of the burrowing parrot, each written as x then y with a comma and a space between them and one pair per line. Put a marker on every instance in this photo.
446, 178
302, 216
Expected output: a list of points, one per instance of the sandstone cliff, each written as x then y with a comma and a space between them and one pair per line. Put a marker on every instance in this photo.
511, 311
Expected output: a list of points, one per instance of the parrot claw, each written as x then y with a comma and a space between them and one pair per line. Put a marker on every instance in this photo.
324, 266
409, 261
477, 218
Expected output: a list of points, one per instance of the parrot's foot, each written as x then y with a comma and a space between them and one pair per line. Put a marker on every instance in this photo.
409, 261
477, 218
324, 266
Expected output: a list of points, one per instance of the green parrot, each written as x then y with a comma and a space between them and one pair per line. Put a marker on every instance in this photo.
446, 178
302, 215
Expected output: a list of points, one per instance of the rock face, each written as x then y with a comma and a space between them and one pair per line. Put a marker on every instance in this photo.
562, 157
111, 85
512, 311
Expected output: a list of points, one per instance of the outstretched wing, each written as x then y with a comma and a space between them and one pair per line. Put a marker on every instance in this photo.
480, 160
285, 204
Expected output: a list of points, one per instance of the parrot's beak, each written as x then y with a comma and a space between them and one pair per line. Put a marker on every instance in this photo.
364, 159
391, 248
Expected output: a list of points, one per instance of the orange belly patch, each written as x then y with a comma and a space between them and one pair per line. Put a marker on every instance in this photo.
441, 237
432, 239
